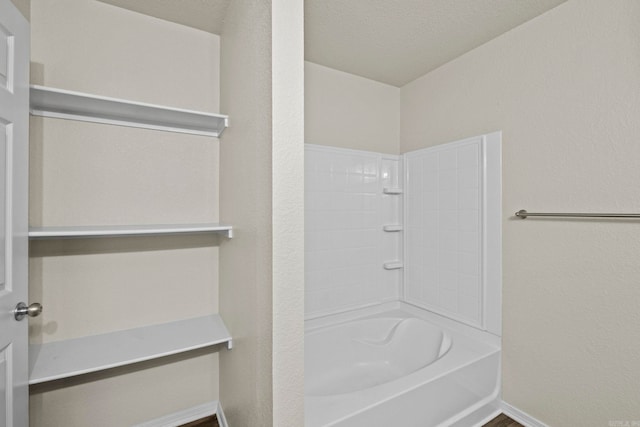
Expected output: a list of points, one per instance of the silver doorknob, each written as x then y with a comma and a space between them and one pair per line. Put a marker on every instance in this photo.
22, 310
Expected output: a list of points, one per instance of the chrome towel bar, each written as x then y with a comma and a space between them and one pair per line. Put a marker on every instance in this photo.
523, 214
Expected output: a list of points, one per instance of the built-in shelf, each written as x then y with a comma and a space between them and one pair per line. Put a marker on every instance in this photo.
392, 190
394, 265
63, 359
392, 228
126, 230
66, 104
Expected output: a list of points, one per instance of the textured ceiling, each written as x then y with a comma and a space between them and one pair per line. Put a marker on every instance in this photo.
392, 41
206, 15
397, 41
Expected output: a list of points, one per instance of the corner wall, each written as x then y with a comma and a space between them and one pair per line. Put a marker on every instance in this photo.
246, 273
24, 6
261, 194
564, 90
348, 111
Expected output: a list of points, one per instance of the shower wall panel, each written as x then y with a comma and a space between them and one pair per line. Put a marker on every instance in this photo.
444, 206
345, 245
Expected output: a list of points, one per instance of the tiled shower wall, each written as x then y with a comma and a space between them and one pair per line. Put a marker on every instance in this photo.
443, 267
345, 245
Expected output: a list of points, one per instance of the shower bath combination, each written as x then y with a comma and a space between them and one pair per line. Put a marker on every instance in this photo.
417, 344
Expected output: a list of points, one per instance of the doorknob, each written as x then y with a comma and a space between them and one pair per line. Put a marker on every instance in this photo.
32, 310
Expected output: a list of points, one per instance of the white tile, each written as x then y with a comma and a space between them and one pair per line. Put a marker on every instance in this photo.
429, 201
314, 261
429, 290
370, 166
430, 179
355, 165
448, 220
369, 237
469, 241
468, 178
469, 263
371, 185
430, 259
389, 211
468, 156
469, 286
428, 162
469, 308
448, 260
312, 239
447, 200
447, 180
430, 242
468, 198
448, 241
469, 220
355, 183
414, 176
369, 201
413, 277
447, 159
413, 258
430, 220
414, 243
338, 182
369, 220
449, 300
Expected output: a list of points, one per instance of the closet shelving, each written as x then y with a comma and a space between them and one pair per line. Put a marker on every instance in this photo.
127, 230
67, 358
62, 359
67, 104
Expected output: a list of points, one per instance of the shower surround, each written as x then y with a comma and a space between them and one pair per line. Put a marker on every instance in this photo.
403, 285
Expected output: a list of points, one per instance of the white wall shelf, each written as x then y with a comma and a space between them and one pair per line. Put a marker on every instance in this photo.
126, 230
394, 265
392, 190
63, 359
392, 228
66, 104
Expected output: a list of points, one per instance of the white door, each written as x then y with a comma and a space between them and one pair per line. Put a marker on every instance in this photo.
14, 173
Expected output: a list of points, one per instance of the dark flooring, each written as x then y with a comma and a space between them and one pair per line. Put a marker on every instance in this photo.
211, 421
502, 421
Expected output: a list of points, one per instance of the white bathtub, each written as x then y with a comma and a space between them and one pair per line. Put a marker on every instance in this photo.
397, 365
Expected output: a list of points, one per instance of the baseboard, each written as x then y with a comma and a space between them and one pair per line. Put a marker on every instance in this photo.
188, 415
222, 420
521, 416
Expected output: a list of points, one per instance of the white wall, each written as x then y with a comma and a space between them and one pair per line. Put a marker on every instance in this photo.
288, 212
245, 200
564, 90
24, 6
348, 111
261, 269
345, 246
83, 173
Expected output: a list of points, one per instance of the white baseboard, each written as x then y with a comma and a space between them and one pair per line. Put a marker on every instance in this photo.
188, 415
521, 416
222, 420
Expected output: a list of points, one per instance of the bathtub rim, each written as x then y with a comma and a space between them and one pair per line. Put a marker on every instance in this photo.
372, 311
444, 345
